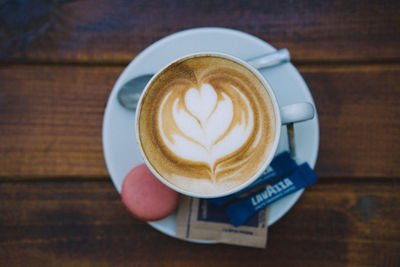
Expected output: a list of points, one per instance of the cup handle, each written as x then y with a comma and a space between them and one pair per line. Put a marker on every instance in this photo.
297, 112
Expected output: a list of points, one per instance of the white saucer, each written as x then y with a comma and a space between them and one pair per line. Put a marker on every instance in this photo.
119, 143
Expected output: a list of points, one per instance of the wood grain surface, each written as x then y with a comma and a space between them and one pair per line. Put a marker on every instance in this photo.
336, 222
104, 31
59, 60
51, 119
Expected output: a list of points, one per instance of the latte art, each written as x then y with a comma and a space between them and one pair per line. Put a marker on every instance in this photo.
206, 124
204, 129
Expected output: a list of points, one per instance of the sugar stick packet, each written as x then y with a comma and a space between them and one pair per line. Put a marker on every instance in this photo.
197, 219
242, 209
281, 165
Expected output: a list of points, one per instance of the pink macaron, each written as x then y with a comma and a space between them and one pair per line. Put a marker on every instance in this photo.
145, 197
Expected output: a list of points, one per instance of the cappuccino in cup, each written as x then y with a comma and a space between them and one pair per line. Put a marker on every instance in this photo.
207, 125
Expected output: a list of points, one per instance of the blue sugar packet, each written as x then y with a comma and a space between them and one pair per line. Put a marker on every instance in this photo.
241, 210
281, 165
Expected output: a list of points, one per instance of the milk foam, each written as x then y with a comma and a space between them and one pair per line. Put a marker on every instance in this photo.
204, 133
206, 125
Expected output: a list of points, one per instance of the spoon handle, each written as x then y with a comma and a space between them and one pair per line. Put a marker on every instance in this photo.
269, 60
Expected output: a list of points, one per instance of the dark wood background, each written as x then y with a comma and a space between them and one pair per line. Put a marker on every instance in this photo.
58, 62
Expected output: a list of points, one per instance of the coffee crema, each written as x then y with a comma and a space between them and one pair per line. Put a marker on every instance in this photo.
206, 124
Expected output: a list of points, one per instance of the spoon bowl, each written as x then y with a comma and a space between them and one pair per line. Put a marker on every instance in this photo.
129, 94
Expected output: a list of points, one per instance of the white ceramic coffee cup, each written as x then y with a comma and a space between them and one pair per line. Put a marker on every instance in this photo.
293, 113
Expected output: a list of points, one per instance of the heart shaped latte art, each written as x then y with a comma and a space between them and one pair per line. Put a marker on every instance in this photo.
205, 131
206, 124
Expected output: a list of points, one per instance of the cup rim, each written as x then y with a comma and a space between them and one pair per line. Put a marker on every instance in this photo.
272, 149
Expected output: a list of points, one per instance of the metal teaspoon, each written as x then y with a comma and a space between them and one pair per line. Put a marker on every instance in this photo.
129, 94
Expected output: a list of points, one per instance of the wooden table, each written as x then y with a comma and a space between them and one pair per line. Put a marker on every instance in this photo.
58, 63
